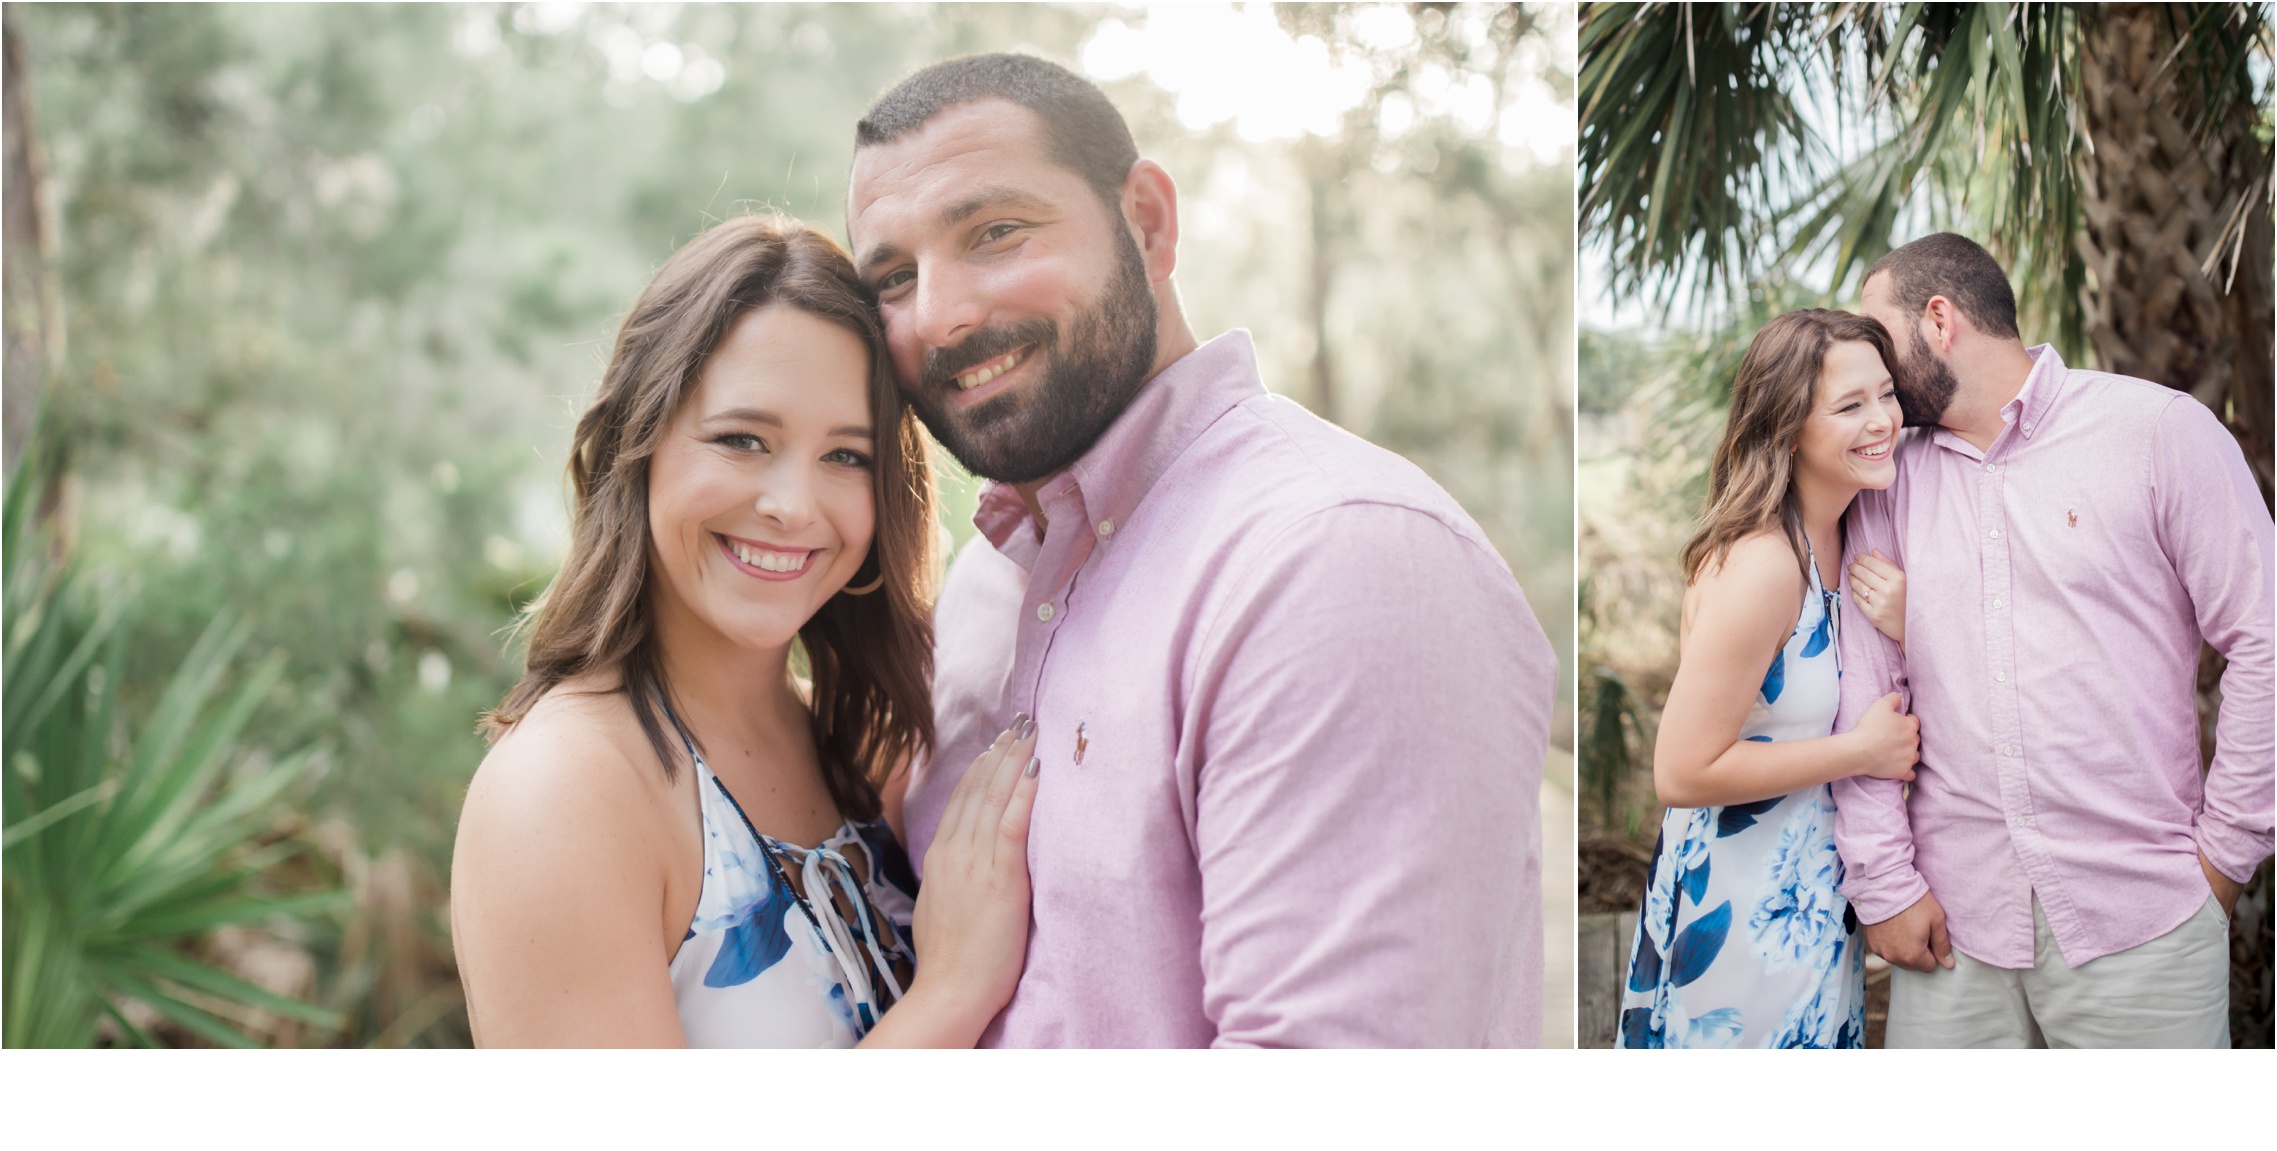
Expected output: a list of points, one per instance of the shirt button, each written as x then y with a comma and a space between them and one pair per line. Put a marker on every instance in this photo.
2000, 676
1996, 603
1044, 612
1106, 529
1991, 467
2008, 749
1994, 533
2023, 821
2027, 427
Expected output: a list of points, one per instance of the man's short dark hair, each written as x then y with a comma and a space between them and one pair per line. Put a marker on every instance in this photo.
1956, 268
1082, 130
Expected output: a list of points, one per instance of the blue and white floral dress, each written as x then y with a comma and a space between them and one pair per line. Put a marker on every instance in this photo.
1745, 939
792, 946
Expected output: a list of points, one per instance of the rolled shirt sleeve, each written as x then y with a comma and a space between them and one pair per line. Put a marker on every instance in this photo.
1366, 773
1872, 831
2217, 535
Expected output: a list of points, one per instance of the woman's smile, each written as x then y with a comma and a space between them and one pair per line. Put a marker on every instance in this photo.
1878, 450
765, 561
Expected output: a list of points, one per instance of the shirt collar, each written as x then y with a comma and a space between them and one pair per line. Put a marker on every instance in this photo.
1170, 412
2036, 400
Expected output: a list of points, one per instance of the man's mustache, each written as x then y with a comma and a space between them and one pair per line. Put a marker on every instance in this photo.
944, 365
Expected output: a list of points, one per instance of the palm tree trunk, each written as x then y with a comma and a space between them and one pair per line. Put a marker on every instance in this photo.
2169, 298
29, 304
2176, 228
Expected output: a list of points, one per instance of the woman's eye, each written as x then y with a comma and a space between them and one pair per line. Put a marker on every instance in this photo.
741, 442
848, 457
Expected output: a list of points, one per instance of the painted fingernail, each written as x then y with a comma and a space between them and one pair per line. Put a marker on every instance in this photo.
1018, 718
1027, 728
1034, 765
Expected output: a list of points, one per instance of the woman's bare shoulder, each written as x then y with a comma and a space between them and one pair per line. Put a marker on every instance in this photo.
576, 757
561, 878
1758, 563
1755, 589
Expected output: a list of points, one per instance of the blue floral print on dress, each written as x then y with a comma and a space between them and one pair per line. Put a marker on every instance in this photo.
1796, 975
1801, 915
758, 968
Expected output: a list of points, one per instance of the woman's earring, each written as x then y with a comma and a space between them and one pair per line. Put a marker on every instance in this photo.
869, 587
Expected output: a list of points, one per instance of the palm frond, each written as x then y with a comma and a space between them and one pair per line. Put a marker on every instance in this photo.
124, 841
1688, 132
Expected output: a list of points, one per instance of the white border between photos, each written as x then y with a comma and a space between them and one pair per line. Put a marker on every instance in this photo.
1133, 1099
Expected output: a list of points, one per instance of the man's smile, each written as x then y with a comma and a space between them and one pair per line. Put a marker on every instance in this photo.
967, 381
977, 385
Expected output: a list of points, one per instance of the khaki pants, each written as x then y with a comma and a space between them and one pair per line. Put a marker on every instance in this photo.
2173, 991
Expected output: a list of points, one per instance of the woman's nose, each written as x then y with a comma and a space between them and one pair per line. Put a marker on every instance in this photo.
785, 496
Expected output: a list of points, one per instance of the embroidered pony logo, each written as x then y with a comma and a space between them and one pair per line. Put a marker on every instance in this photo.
1080, 742
2073, 517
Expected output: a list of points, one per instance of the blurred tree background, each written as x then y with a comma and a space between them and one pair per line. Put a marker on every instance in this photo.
308, 298
1739, 160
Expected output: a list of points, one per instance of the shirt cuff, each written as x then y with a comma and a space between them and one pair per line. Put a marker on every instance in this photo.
2234, 851
1884, 896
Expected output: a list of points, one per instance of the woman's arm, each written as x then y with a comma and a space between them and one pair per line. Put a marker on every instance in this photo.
1743, 612
557, 897
972, 913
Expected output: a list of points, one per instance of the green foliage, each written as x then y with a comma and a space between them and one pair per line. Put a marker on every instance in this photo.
128, 835
1710, 181
1679, 165
1613, 726
1611, 369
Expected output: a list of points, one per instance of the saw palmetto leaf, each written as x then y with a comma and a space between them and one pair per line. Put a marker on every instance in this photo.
129, 835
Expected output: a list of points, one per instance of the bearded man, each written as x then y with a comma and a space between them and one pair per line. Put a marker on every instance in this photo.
1291, 705
2060, 874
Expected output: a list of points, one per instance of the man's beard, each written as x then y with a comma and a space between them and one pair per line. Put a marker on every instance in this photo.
1086, 381
1925, 385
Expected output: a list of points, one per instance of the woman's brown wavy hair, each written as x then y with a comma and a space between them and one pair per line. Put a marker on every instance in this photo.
1751, 484
870, 656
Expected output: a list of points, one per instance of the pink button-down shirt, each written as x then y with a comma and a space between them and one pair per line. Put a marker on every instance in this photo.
2057, 585
1292, 712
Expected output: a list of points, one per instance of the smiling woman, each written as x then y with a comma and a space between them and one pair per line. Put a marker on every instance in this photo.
747, 480
1745, 749
703, 311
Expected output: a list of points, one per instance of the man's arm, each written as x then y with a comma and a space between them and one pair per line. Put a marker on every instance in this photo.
2216, 533
1366, 746
1871, 829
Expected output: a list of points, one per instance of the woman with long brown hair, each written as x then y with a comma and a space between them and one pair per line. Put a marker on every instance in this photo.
1744, 938
676, 838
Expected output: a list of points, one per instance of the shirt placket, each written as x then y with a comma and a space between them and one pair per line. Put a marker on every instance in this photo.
1043, 611
2009, 753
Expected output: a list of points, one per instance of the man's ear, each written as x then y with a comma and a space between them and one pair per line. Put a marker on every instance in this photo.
1945, 320
1150, 211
